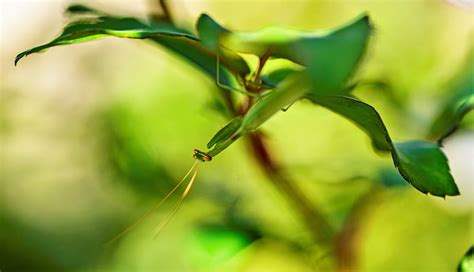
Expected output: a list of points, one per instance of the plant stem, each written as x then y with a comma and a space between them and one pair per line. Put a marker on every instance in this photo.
314, 220
261, 63
166, 11
160, 12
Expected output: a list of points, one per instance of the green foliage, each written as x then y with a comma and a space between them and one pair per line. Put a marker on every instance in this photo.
94, 28
217, 245
176, 39
467, 262
421, 163
362, 114
424, 165
328, 60
457, 105
330, 57
81, 9
209, 31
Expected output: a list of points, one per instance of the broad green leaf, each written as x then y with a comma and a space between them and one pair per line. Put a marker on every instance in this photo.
390, 177
81, 9
425, 166
331, 57
178, 40
211, 246
456, 107
421, 163
448, 122
467, 262
209, 31
315, 51
94, 28
362, 114
192, 51
225, 132
335, 59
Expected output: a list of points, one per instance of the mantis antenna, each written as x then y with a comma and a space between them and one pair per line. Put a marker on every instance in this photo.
176, 207
155, 207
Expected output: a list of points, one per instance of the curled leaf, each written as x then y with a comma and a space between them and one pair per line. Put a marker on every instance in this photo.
458, 104
422, 164
94, 28
360, 113
179, 41
467, 262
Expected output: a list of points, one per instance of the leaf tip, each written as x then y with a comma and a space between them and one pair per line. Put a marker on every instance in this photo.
19, 57
202, 18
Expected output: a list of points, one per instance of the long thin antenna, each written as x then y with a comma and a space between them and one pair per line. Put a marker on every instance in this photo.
152, 209
176, 208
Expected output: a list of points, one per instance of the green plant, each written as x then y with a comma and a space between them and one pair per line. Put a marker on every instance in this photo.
467, 262
323, 67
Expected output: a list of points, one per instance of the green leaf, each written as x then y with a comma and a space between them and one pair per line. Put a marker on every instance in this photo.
194, 53
390, 177
467, 262
421, 163
214, 245
177, 40
225, 132
448, 122
331, 57
425, 166
94, 28
456, 107
362, 114
81, 9
209, 32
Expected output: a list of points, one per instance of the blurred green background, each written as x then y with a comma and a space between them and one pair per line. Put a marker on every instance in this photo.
92, 135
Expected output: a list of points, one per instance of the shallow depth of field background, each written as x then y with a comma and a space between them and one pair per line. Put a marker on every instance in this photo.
93, 134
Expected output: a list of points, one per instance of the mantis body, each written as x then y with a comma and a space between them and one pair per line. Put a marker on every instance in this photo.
265, 107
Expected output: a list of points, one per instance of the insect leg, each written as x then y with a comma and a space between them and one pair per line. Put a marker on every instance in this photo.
287, 107
226, 87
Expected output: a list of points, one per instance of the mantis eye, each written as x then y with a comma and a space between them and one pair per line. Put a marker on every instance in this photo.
202, 156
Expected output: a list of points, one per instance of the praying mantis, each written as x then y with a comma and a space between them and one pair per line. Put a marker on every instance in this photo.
328, 60
233, 132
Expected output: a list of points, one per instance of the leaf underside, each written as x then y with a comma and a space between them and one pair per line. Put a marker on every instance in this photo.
177, 40
94, 28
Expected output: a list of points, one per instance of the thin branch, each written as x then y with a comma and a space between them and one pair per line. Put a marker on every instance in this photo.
261, 63
315, 221
166, 12
160, 11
